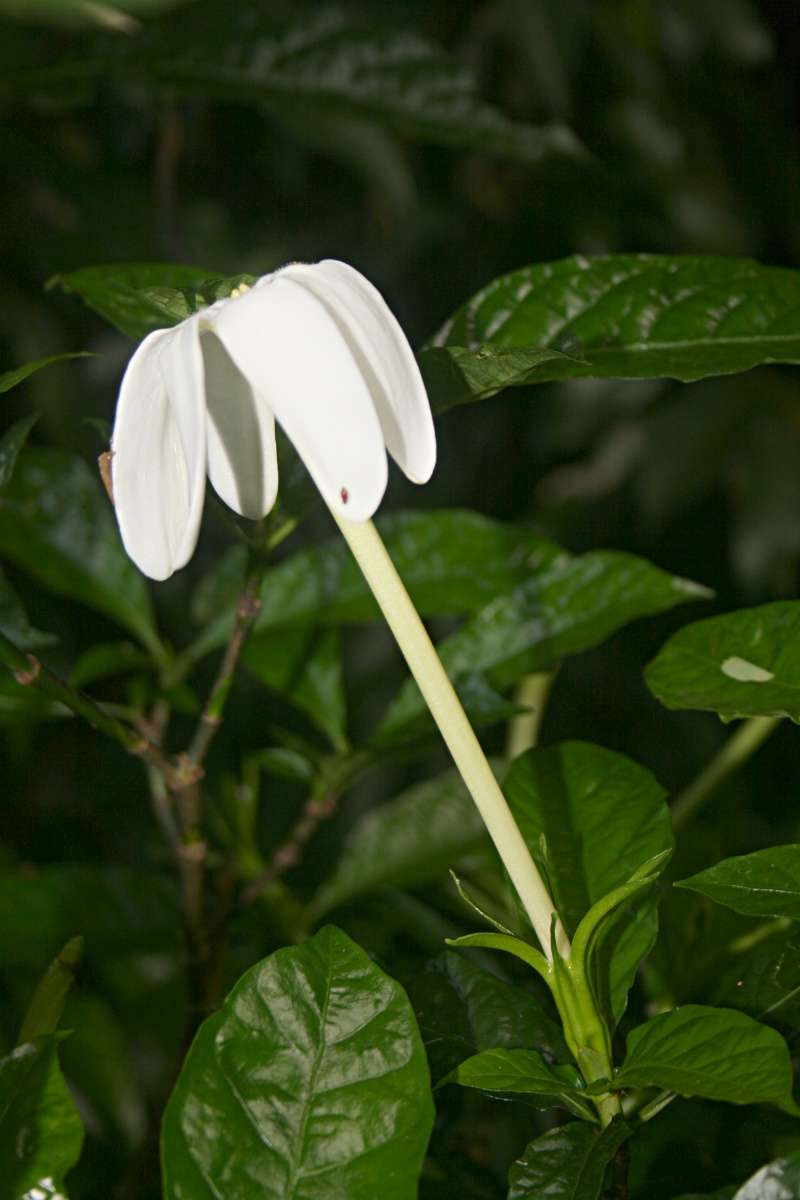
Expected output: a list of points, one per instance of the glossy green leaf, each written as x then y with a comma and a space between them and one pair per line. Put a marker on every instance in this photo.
452, 561
522, 1071
568, 1163
741, 664
117, 910
46, 1005
56, 523
462, 1009
140, 297
329, 61
10, 379
14, 621
716, 1053
11, 443
409, 840
309, 1082
568, 606
628, 316
592, 818
41, 1134
764, 981
305, 667
763, 884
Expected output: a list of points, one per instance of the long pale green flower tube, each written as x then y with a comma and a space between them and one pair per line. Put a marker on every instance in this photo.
424, 663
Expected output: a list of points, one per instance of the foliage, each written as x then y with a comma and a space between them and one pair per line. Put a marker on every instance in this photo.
585, 216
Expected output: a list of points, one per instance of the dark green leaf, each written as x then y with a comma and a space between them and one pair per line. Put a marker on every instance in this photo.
409, 840
763, 884
592, 818
462, 1009
764, 981
711, 1052
310, 1082
568, 1163
14, 621
11, 443
44, 1011
141, 297
522, 1071
41, 1134
105, 659
305, 667
329, 61
10, 379
628, 316
116, 910
742, 664
452, 561
568, 606
56, 522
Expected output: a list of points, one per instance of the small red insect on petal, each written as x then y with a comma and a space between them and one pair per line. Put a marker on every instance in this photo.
344, 495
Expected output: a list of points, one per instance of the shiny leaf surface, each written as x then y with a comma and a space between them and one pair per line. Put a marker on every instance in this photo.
568, 1163
711, 1052
309, 1082
763, 884
627, 316
742, 664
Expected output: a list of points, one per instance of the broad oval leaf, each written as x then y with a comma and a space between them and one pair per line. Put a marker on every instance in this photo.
451, 561
568, 1163
764, 981
741, 664
57, 524
763, 884
409, 840
522, 1071
140, 297
41, 1134
462, 1009
627, 316
305, 667
310, 1082
716, 1053
591, 819
567, 606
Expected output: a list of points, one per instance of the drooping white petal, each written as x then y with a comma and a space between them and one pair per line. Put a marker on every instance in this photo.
380, 346
159, 450
242, 462
295, 357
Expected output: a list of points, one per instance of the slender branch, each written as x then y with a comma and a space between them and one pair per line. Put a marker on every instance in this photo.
29, 671
523, 730
248, 606
459, 736
318, 808
736, 750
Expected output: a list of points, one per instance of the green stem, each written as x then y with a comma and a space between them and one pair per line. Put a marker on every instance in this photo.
736, 750
523, 729
29, 671
459, 736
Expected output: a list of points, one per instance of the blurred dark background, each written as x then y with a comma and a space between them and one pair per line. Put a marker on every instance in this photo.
688, 114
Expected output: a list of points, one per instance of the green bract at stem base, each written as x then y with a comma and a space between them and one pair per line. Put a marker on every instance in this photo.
403, 619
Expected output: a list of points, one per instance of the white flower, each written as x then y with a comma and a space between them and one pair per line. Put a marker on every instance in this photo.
313, 346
